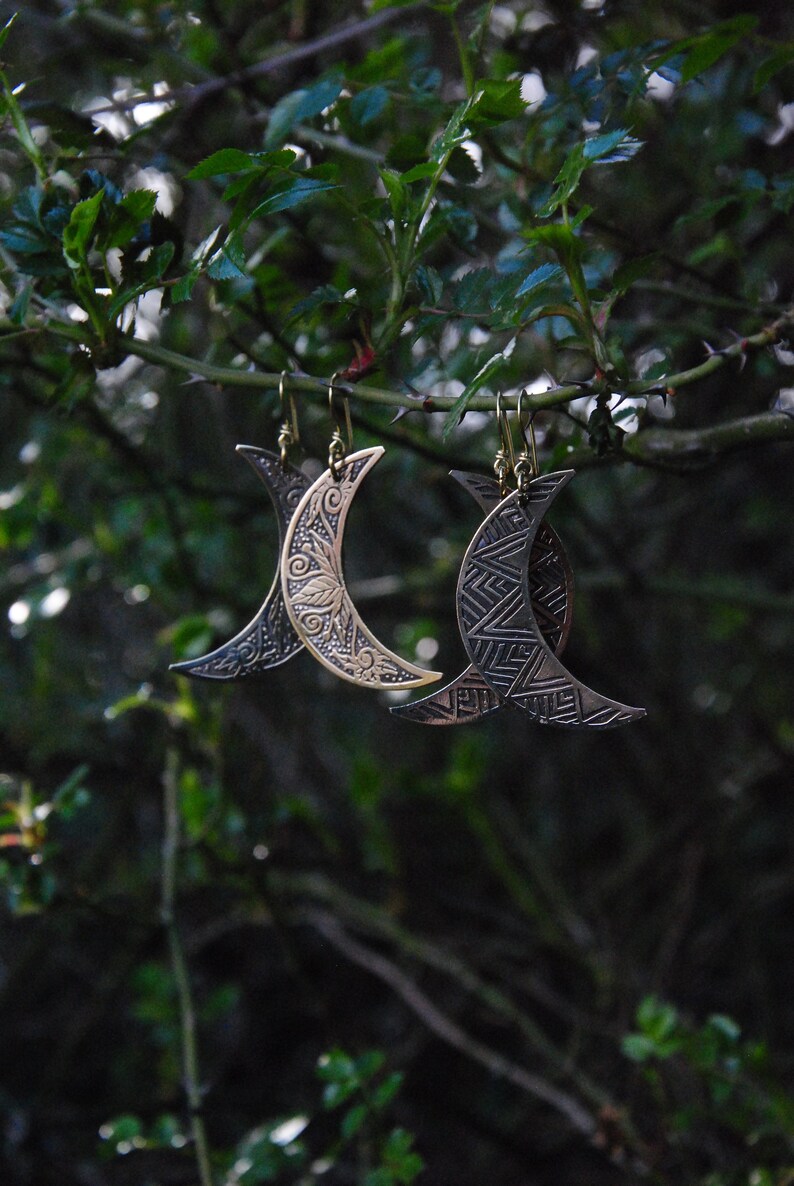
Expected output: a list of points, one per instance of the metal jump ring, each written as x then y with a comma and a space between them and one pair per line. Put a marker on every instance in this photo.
336, 449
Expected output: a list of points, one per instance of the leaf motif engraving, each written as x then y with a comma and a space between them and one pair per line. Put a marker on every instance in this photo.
324, 591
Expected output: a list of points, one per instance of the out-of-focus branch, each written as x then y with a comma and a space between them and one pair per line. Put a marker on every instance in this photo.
179, 967
696, 446
448, 1030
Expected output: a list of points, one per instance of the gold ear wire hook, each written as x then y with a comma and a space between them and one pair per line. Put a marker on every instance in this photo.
336, 449
288, 433
504, 460
526, 464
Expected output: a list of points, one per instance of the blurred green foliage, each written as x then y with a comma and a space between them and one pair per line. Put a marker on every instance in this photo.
492, 946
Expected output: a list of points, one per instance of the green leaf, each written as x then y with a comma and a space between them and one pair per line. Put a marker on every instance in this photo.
638, 1048
711, 46
657, 1019
454, 133
396, 189
324, 294
597, 146
6, 29
19, 309
419, 172
122, 1130
487, 371
25, 240
226, 160
71, 794
568, 249
633, 270
263, 163
469, 293
537, 278
183, 288
387, 1090
299, 106
127, 218
149, 276
773, 65
292, 193
406, 151
369, 104
377, 5
611, 147
566, 181
225, 265
398, 1158
353, 1120
77, 232
497, 101
725, 1026
461, 225
430, 284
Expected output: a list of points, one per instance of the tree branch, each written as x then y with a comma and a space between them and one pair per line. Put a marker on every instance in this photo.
685, 447
179, 968
448, 1030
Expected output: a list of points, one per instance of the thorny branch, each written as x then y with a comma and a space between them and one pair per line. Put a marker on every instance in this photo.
662, 447
649, 446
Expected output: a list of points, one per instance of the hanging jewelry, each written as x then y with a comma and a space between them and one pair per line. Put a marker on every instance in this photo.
469, 698
316, 596
269, 638
497, 619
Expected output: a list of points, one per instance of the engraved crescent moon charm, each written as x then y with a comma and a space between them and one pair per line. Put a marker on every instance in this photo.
468, 698
499, 628
269, 638
313, 584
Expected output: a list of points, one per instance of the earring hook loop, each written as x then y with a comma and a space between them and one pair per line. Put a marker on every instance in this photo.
337, 449
504, 460
526, 465
288, 433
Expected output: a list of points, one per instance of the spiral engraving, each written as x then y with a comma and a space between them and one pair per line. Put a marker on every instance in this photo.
299, 566
315, 593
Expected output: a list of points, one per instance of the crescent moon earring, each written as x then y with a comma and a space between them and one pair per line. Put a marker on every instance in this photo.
269, 638
468, 698
497, 619
318, 602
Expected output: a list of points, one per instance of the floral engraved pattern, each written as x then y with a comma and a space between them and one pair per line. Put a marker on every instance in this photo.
314, 587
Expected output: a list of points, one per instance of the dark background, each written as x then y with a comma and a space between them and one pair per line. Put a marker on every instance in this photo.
347, 878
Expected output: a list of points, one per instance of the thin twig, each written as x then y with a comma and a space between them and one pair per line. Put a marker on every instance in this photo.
179, 968
371, 918
289, 57
448, 1030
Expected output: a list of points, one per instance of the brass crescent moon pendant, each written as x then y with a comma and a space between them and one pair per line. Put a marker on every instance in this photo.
269, 638
468, 698
500, 631
313, 584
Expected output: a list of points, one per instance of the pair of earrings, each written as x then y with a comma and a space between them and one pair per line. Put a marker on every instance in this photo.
514, 595
308, 604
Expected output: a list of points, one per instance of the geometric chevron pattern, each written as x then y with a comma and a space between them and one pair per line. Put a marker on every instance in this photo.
269, 638
469, 698
500, 630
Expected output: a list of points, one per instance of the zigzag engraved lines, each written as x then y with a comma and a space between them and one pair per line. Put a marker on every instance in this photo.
466, 699
497, 621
